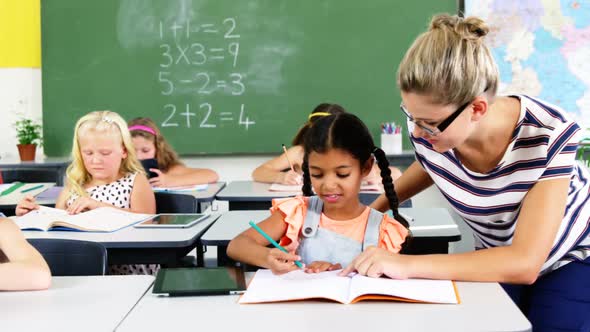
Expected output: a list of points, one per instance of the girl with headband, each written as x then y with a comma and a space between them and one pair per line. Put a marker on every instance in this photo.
150, 145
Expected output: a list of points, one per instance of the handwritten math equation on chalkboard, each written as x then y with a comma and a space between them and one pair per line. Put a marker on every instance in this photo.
186, 68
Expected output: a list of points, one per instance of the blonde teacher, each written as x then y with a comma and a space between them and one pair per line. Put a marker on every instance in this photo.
507, 166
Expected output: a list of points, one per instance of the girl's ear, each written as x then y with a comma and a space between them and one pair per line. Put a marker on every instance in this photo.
124, 151
367, 167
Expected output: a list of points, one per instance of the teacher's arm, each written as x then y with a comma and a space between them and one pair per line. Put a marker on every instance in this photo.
411, 182
519, 263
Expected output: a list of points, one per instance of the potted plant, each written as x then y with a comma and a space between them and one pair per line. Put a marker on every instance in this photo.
28, 134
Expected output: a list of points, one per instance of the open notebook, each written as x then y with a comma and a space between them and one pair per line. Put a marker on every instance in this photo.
103, 219
298, 285
297, 187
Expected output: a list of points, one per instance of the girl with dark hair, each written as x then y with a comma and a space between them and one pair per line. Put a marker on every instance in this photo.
327, 231
278, 169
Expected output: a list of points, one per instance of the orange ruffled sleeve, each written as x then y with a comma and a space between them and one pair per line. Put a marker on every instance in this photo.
392, 234
293, 210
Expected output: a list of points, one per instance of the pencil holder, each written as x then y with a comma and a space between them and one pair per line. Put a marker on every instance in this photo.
391, 143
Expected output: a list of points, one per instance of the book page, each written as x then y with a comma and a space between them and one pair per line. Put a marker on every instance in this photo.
285, 187
296, 285
422, 290
103, 219
197, 187
40, 219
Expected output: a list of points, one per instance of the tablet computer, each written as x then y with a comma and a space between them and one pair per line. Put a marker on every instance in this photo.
200, 281
172, 220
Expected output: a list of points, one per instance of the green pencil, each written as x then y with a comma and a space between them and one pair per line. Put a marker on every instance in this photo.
31, 189
12, 188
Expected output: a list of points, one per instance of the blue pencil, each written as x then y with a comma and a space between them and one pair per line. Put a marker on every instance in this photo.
273, 242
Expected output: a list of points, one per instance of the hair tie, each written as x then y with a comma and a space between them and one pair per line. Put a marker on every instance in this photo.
143, 128
374, 150
107, 119
318, 114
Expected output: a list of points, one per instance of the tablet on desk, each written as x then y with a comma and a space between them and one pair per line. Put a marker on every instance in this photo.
200, 281
170, 220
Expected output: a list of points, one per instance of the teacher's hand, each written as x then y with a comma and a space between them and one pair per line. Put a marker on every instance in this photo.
376, 262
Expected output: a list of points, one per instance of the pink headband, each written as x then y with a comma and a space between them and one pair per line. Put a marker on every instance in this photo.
143, 128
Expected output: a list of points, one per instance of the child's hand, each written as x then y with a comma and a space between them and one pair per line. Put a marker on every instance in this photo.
162, 180
26, 205
291, 177
320, 266
83, 204
281, 262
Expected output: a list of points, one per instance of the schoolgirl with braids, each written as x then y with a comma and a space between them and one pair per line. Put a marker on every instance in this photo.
328, 226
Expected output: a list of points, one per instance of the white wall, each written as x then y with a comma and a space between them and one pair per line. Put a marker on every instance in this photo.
20, 94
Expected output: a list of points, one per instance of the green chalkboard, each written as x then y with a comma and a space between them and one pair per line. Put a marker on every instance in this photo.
223, 76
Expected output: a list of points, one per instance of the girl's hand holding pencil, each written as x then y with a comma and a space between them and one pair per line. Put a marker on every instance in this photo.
290, 177
281, 262
26, 205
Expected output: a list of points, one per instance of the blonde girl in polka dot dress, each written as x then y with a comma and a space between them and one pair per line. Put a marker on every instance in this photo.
104, 172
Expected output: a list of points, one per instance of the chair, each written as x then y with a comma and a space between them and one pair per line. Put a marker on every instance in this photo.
178, 203
175, 203
72, 257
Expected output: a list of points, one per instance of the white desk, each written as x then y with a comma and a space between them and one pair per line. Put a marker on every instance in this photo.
140, 245
73, 304
484, 306
432, 230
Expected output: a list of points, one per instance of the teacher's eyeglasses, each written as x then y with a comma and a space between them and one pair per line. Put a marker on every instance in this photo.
434, 130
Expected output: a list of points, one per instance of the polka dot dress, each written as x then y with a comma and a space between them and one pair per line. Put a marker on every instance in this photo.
118, 194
